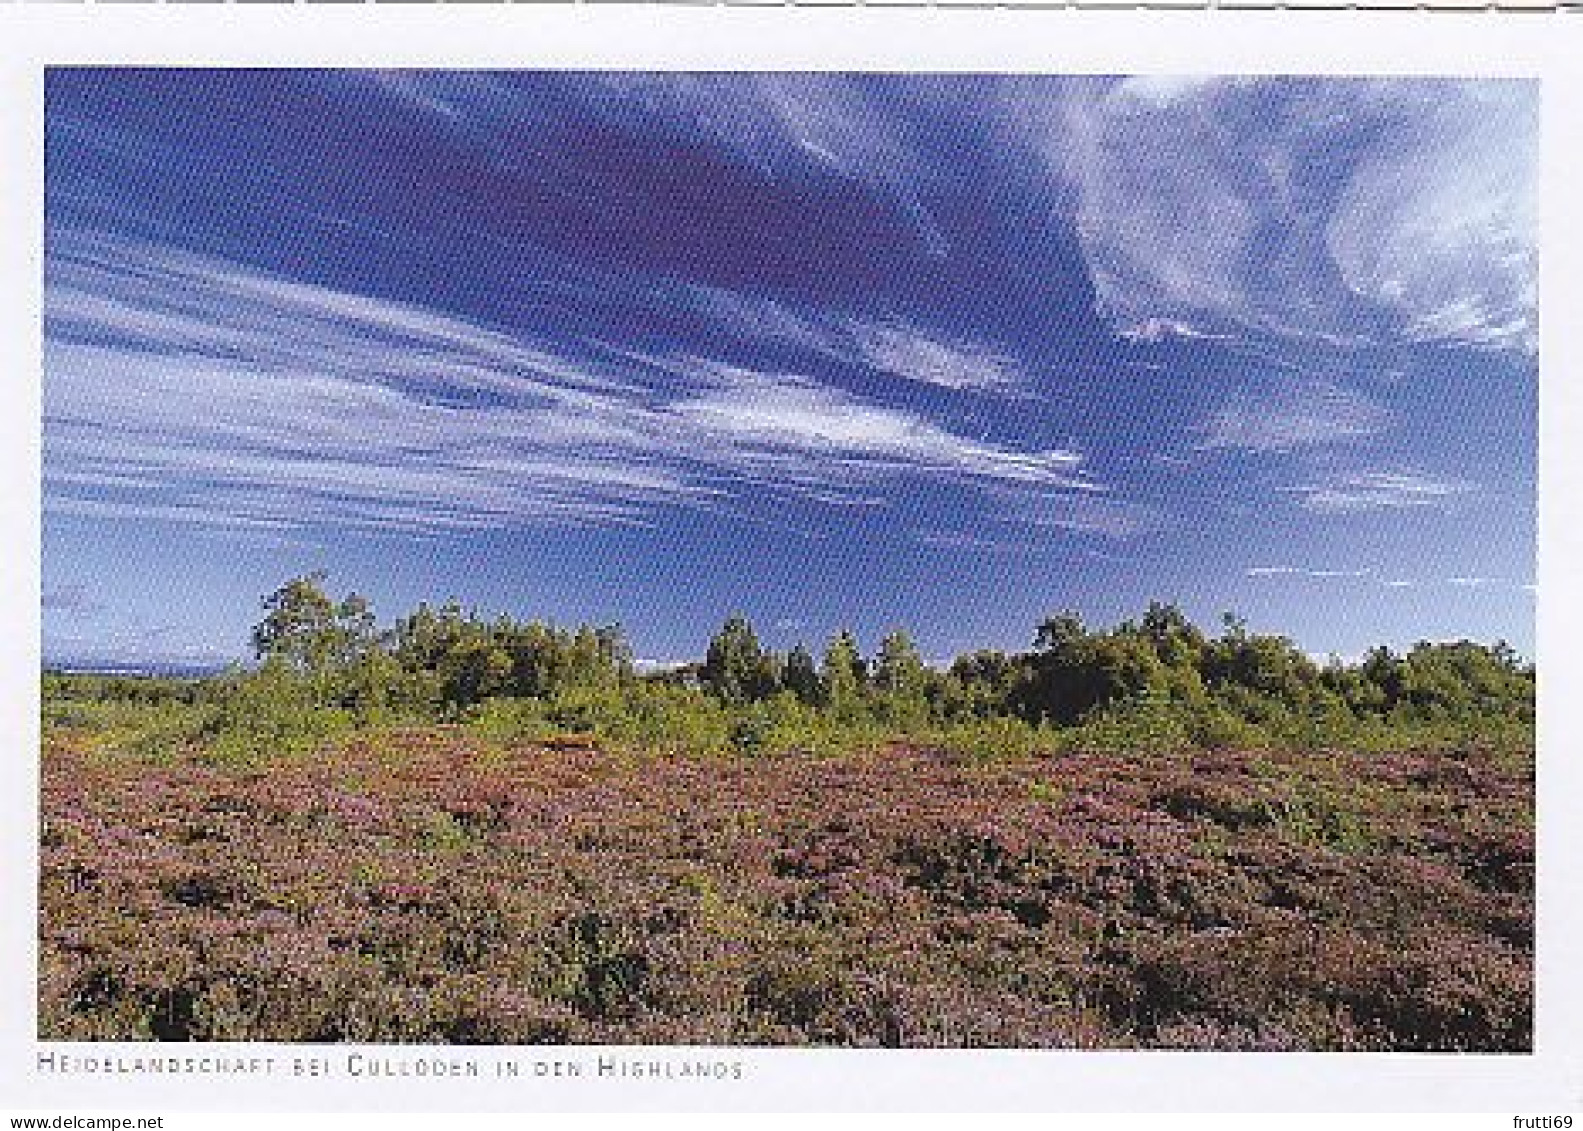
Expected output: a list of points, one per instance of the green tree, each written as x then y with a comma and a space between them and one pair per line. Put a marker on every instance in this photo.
736, 668
1176, 640
801, 675
901, 678
987, 682
306, 629
844, 676
1465, 680
1059, 632
1076, 672
898, 668
474, 671
333, 649
1180, 648
1269, 666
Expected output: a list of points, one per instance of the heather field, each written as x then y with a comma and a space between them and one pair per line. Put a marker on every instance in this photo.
442, 883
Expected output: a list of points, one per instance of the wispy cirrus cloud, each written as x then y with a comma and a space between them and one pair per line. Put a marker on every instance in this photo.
1155, 329
187, 388
1330, 211
1291, 414
1086, 511
789, 414
780, 125
1299, 571
1438, 221
1372, 576
892, 347
903, 351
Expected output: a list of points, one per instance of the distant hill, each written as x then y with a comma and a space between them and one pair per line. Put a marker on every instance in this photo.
178, 669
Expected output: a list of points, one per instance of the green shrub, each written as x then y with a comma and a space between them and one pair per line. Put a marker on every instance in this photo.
751, 732
1141, 725
510, 720
1313, 816
665, 718
995, 737
272, 713
1215, 728
148, 731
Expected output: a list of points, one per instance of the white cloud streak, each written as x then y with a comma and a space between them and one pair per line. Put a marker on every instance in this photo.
903, 351
786, 414
894, 348
185, 388
1438, 220
1301, 573
1382, 490
1293, 414
1316, 574
1089, 512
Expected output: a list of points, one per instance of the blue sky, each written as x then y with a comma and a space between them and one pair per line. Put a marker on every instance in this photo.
948, 352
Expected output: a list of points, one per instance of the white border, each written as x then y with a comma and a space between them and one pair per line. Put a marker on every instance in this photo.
1544, 46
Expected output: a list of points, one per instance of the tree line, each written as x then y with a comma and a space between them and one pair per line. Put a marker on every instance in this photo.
446, 660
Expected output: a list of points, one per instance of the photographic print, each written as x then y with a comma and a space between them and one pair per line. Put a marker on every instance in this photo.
907, 560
